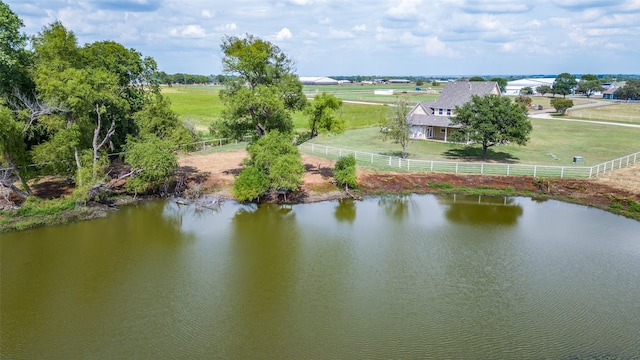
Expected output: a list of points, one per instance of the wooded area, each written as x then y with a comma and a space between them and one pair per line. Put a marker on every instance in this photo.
65, 108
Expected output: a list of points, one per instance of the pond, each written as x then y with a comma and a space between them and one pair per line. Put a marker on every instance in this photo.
420, 276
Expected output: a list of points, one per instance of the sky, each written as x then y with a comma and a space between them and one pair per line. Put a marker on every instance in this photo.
365, 37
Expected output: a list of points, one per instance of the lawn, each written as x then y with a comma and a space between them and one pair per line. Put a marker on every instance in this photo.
622, 113
198, 105
595, 143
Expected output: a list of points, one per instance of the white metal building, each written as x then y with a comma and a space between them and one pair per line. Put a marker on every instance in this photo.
514, 87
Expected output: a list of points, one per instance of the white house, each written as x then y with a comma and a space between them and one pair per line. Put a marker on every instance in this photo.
431, 120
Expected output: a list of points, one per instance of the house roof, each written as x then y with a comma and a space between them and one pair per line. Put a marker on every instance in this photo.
454, 94
459, 92
610, 90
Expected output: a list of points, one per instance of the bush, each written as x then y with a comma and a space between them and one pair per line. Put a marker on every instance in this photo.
345, 171
250, 184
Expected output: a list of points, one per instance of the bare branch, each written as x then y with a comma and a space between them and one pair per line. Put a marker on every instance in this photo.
35, 106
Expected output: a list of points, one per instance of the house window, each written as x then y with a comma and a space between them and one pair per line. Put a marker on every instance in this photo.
443, 130
448, 112
439, 111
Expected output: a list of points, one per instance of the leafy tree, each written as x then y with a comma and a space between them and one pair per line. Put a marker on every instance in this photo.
630, 91
502, 83
492, 119
153, 161
345, 171
589, 87
13, 152
321, 112
564, 84
14, 58
527, 90
561, 105
397, 126
589, 84
419, 82
265, 91
544, 89
275, 156
250, 184
157, 118
476, 78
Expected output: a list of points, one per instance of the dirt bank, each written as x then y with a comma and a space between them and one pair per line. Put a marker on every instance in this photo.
215, 173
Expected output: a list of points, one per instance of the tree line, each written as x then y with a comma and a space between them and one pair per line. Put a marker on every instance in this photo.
67, 107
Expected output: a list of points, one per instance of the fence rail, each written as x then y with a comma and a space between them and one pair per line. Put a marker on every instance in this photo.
397, 163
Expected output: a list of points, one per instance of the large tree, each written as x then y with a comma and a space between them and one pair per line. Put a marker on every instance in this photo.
397, 127
264, 91
502, 83
630, 91
589, 84
14, 58
564, 84
491, 120
322, 115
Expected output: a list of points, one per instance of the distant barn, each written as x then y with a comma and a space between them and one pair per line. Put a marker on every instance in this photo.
317, 80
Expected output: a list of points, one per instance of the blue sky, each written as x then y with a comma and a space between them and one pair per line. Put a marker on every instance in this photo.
365, 37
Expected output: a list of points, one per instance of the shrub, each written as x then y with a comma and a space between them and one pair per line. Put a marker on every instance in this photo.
250, 184
345, 171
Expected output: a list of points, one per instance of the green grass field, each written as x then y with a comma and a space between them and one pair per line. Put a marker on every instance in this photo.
622, 113
595, 143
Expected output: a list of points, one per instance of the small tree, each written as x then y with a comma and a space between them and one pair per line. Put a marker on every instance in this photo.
397, 126
322, 112
527, 90
561, 105
153, 161
345, 171
492, 119
523, 100
544, 89
250, 184
279, 162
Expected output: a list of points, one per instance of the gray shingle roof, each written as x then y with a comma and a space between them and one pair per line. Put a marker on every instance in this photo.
454, 94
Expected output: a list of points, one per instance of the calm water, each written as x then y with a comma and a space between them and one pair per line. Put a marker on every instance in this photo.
412, 277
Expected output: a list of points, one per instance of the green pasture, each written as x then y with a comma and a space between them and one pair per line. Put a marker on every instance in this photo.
594, 142
621, 113
198, 105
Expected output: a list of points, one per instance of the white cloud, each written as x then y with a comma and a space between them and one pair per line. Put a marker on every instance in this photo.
284, 34
227, 27
406, 9
340, 34
189, 31
393, 36
360, 28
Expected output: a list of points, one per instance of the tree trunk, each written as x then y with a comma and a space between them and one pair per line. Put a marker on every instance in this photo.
484, 151
96, 133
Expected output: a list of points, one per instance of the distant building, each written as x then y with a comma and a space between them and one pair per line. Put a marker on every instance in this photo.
317, 80
398, 81
610, 93
383, 92
514, 87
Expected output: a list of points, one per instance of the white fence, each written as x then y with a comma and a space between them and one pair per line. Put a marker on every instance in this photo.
397, 163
